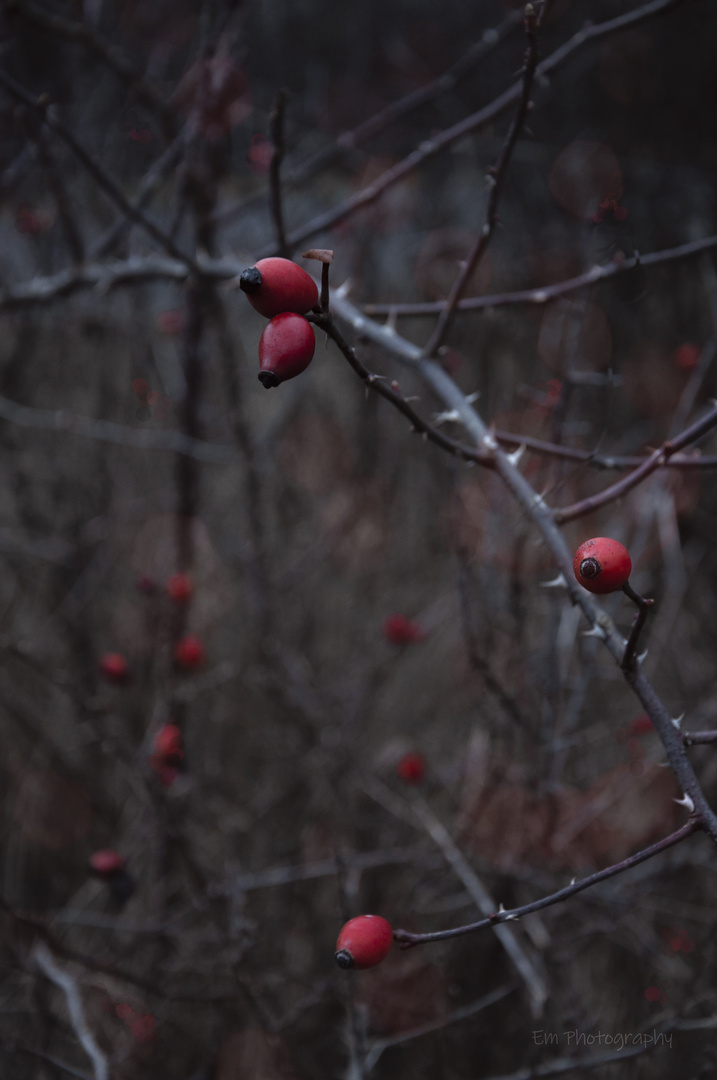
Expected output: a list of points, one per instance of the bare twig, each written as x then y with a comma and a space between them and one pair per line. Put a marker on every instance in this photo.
431, 147
454, 1017
643, 608
393, 394
408, 939
119, 434
653, 462
542, 517
534, 981
110, 54
545, 293
68, 984
496, 179
276, 134
100, 176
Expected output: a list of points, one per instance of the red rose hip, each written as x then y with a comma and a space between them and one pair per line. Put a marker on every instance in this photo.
363, 942
169, 745
106, 863
179, 588
277, 285
602, 565
285, 349
411, 767
114, 668
189, 652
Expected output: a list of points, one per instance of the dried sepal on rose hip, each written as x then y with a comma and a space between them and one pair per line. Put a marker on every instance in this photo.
602, 565
277, 285
363, 942
286, 348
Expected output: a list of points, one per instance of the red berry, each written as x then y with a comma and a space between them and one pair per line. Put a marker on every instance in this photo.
400, 630
641, 725
687, 357
276, 285
179, 588
412, 767
602, 565
189, 652
113, 667
169, 745
363, 942
285, 348
106, 863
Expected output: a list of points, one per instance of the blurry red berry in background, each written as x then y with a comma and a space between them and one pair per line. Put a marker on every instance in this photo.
411, 767
641, 725
107, 862
140, 387
400, 630
687, 357
189, 652
170, 322
653, 993
169, 744
179, 588
114, 668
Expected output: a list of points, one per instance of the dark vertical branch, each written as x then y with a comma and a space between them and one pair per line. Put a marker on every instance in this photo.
276, 134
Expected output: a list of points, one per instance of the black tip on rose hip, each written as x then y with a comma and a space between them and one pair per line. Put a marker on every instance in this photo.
590, 568
344, 959
250, 280
268, 379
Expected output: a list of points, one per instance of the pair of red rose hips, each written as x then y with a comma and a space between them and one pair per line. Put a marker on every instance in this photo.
283, 292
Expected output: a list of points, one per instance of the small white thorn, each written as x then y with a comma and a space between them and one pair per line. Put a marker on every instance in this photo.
573, 880
597, 631
663, 764
489, 441
677, 721
470, 398
515, 457
642, 657
450, 417
343, 290
390, 324
558, 582
686, 801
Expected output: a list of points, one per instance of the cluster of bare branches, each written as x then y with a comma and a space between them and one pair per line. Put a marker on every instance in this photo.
353, 597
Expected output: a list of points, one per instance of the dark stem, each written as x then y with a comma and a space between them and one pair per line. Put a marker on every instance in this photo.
407, 939
276, 134
629, 659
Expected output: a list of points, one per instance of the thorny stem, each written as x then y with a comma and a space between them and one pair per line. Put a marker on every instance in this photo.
629, 660
496, 178
407, 939
542, 517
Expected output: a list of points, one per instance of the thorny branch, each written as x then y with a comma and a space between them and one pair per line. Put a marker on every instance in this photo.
496, 181
408, 939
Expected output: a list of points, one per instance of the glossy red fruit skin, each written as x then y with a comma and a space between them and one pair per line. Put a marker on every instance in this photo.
279, 286
106, 863
114, 668
411, 767
179, 588
286, 348
609, 560
189, 652
364, 942
169, 745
